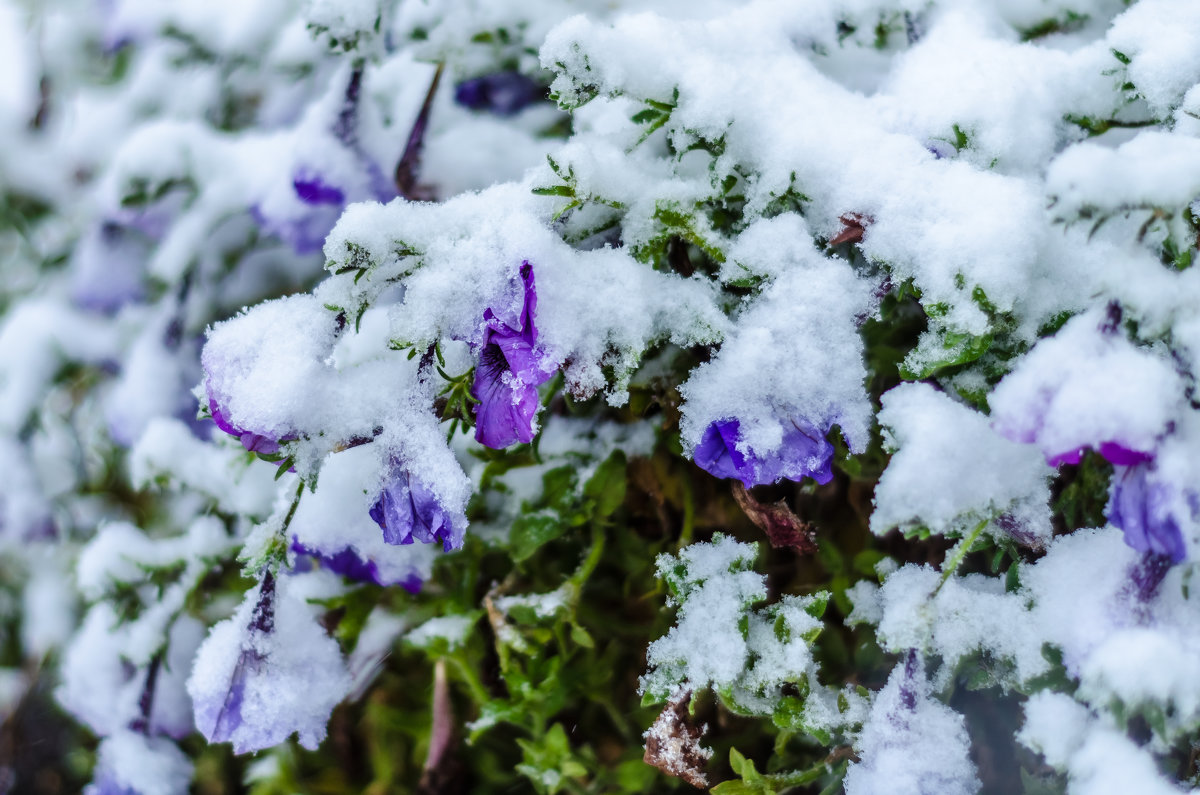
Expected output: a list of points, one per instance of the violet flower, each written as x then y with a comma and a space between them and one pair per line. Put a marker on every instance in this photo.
408, 510
253, 442
804, 452
508, 374
1142, 507
319, 198
500, 93
268, 672
348, 563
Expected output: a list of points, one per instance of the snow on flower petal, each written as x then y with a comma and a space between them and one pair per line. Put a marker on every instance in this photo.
268, 672
508, 373
1089, 387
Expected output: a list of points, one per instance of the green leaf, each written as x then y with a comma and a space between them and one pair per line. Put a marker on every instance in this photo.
529, 533
555, 190
607, 486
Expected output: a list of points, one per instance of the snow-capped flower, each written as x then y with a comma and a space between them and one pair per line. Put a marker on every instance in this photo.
804, 452
508, 374
253, 441
1089, 387
1143, 507
501, 93
407, 510
265, 673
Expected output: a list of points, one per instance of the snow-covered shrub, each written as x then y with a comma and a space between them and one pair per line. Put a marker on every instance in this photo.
419, 380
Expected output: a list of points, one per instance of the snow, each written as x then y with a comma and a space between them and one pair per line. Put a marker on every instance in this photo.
256, 688
912, 742
980, 474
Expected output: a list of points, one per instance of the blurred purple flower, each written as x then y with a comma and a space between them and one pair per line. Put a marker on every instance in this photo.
408, 510
349, 564
218, 722
508, 374
320, 197
1142, 507
804, 452
501, 93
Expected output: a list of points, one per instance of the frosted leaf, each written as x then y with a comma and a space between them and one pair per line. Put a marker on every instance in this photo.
713, 587
1158, 39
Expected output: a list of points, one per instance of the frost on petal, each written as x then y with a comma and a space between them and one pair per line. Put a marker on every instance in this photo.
911, 742
508, 374
333, 526
265, 370
408, 510
803, 452
978, 473
791, 369
268, 672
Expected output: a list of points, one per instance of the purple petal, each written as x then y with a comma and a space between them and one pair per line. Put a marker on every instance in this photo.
345, 562
501, 93
407, 510
313, 190
508, 374
1119, 454
804, 452
1141, 507
718, 455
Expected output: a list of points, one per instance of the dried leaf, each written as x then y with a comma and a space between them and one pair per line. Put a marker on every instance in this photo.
673, 743
853, 227
783, 527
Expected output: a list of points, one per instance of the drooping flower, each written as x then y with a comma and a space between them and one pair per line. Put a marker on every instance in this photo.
407, 510
1144, 508
803, 452
508, 374
268, 672
501, 93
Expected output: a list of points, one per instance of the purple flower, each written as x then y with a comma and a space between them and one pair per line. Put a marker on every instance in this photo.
351, 565
408, 510
268, 672
508, 374
1142, 507
804, 452
252, 441
501, 93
